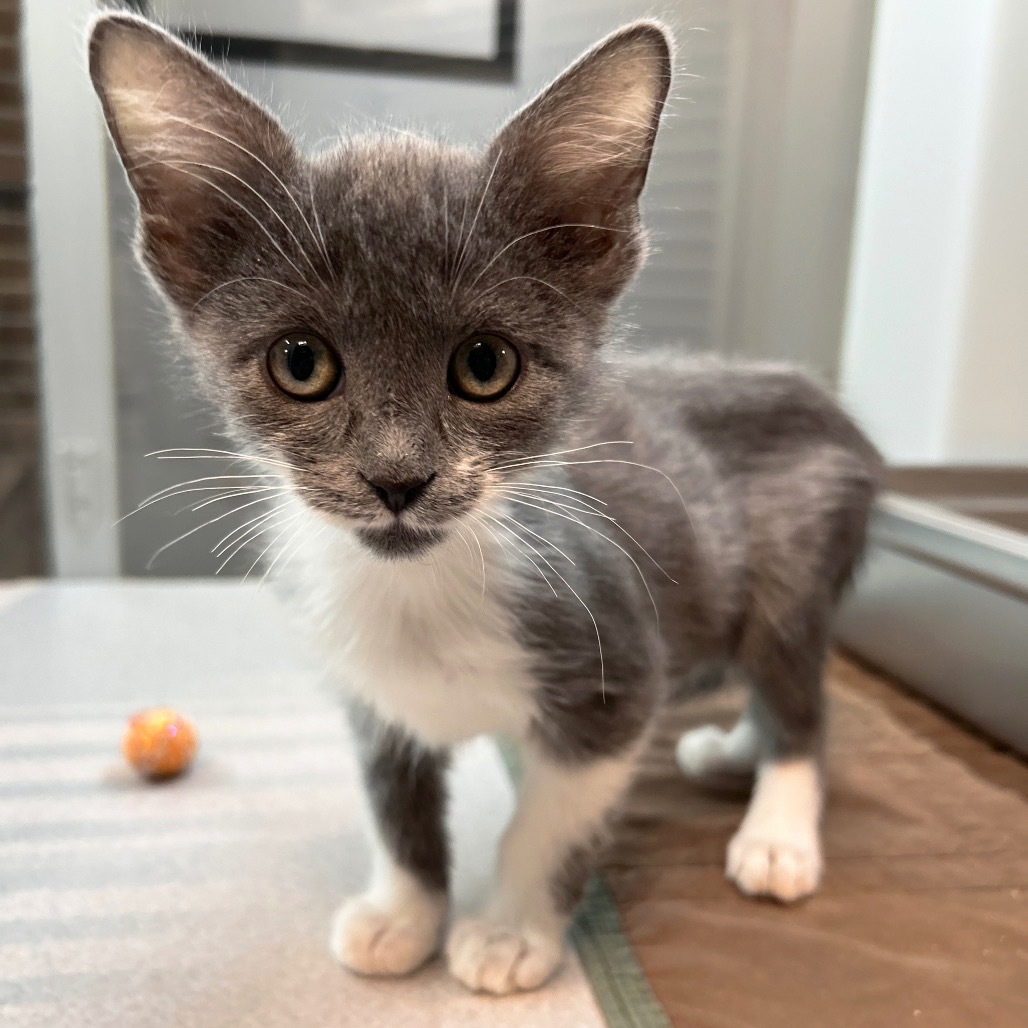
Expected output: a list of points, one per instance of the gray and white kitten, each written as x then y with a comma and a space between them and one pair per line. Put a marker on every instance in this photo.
503, 530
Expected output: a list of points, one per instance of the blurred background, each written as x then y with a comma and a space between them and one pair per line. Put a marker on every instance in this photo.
838, 183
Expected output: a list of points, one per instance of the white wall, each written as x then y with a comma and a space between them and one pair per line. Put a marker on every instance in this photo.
802, 107
66, 145
934, 361
988, 401
465, 27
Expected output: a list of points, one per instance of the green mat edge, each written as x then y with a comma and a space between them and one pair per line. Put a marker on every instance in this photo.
619, 986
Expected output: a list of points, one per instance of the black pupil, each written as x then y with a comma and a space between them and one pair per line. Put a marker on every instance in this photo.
482, 361
301, 360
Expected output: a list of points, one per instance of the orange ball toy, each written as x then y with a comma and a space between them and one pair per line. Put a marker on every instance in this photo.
159, 743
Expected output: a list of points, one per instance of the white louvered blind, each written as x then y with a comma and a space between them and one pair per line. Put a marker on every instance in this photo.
679, 295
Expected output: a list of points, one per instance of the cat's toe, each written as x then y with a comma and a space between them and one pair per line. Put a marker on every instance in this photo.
786, 869
500, 959
373, 941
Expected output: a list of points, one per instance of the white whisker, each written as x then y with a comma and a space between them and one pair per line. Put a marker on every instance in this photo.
446, 228
249, 278
238, 492
561, 453
535, 232
460, 239
578, 495
288, 521
260, 196
616, 545
464, 539
192, 531
264, 524
459, 270
481, 552
611, 460
317, 223
228, 494
294, 539
521, 552
596, 627
177, 166
223, 543
172, 491
320, 531
543, 540
206, 478
499, 542
598, 514
254, 157
523, 278
209, 453
566, 495
561, 503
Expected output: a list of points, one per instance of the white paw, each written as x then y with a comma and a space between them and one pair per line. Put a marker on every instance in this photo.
491, 957
371, 940
784, 866
711, 752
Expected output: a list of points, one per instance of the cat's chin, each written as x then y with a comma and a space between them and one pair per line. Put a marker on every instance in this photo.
399, 541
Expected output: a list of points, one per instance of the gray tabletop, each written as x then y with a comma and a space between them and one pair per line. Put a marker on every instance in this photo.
204, 901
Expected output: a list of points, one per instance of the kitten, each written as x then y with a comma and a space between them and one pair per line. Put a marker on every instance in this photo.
501, 529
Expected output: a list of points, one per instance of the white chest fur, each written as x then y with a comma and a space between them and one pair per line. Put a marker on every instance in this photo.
424, 643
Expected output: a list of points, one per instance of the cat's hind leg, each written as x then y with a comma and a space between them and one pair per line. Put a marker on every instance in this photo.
394, 926
807, 533
777, 850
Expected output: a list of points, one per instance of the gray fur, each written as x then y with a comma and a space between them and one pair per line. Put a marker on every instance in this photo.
406, 790
570, 879
395, 250
777, 485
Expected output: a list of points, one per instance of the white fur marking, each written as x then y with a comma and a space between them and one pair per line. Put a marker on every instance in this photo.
392, 928
492, 957
711, 752
777, 850
423, 642
518, 942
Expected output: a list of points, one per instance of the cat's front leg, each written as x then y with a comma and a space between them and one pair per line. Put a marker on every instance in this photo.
394, 926
545, 860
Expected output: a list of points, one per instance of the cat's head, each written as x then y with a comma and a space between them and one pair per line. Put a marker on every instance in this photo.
395, 319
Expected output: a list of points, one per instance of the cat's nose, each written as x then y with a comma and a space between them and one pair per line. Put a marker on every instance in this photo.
397, 495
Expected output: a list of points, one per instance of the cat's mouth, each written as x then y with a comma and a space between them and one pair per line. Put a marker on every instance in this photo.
399, 541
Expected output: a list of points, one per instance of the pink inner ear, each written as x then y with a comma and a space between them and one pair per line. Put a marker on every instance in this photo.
586, 140
174, 118
205, 161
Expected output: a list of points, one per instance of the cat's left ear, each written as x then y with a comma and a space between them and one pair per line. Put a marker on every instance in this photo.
582, 148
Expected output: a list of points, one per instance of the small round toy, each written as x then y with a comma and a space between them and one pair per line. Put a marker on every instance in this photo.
159, 743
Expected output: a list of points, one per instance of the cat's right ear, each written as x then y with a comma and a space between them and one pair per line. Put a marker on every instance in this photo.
198, 152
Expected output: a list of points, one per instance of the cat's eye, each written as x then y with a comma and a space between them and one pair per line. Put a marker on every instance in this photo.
483, 368
304, 366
